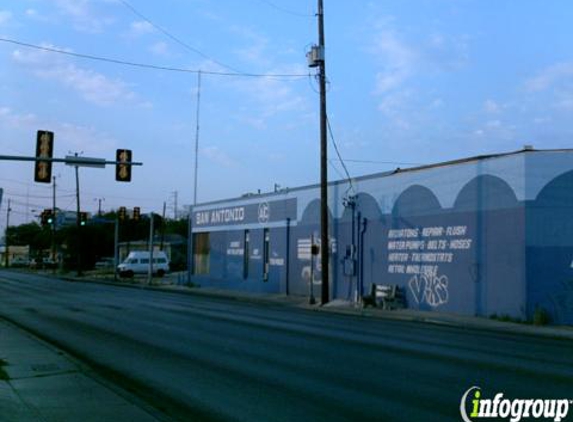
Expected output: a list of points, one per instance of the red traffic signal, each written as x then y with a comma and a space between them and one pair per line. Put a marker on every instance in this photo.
44, 149
123, 165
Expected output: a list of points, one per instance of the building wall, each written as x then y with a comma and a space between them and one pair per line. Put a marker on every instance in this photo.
484, 237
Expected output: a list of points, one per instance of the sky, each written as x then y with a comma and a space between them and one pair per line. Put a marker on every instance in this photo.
409, 82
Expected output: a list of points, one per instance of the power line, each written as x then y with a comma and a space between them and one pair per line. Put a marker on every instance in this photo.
176, 39
331, 162
339, 156
21, 195
151, 66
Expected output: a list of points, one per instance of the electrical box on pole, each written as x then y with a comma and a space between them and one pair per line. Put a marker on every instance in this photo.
123, 165
44, 149
315, 57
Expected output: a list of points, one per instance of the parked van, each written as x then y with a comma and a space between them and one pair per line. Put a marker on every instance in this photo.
138, 263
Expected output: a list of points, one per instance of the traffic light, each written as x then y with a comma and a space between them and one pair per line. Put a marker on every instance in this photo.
43, 218
44, 149
122, 214
123, 165
49, 217
83, 218
136, 213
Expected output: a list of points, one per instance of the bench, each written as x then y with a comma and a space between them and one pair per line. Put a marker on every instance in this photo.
387, 296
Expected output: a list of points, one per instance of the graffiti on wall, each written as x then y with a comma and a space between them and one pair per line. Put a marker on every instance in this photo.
429, 289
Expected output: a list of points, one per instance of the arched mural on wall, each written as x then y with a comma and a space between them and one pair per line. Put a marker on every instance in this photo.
311, 214
550, 249
558, 192
485, 192
416, 200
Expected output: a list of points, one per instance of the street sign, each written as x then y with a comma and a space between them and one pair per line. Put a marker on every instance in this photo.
72, 160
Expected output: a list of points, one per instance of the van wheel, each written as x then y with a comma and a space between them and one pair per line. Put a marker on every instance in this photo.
160, 273
129, 274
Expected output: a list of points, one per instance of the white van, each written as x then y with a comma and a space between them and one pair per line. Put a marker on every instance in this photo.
138, 263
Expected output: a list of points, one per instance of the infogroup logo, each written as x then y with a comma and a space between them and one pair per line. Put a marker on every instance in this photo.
514, 409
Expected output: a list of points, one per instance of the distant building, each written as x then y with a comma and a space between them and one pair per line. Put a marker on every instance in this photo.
66, 218
17, 255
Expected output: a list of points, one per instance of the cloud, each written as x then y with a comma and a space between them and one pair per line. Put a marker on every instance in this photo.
72, 137
491, 107
69, 136
159, 49
255, 51
140, 28
5, 17
437, 103
270, 98
92, 86
553, 87
83, 18
9, 118
550, 77
218, 156
263, 97
398, 61
403, 58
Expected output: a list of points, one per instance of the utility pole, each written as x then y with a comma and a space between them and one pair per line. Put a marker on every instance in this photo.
99, 200
190, 220
150, 267
7, 251
163, 226
175, 204
115, 248
324, 241
78, 220
197, 137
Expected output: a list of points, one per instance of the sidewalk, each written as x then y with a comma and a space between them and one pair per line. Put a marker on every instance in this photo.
452, 320
41, 383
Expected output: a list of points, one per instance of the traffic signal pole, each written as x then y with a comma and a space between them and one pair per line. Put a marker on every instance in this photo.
6, 246
78, 221
116, 248
53, 231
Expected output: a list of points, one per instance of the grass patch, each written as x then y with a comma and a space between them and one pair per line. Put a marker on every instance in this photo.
506, 318
3, 374
541, 317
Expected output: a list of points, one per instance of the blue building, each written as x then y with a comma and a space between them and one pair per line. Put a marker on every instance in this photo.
480, 236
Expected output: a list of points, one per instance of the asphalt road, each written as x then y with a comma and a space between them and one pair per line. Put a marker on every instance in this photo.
200, 358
